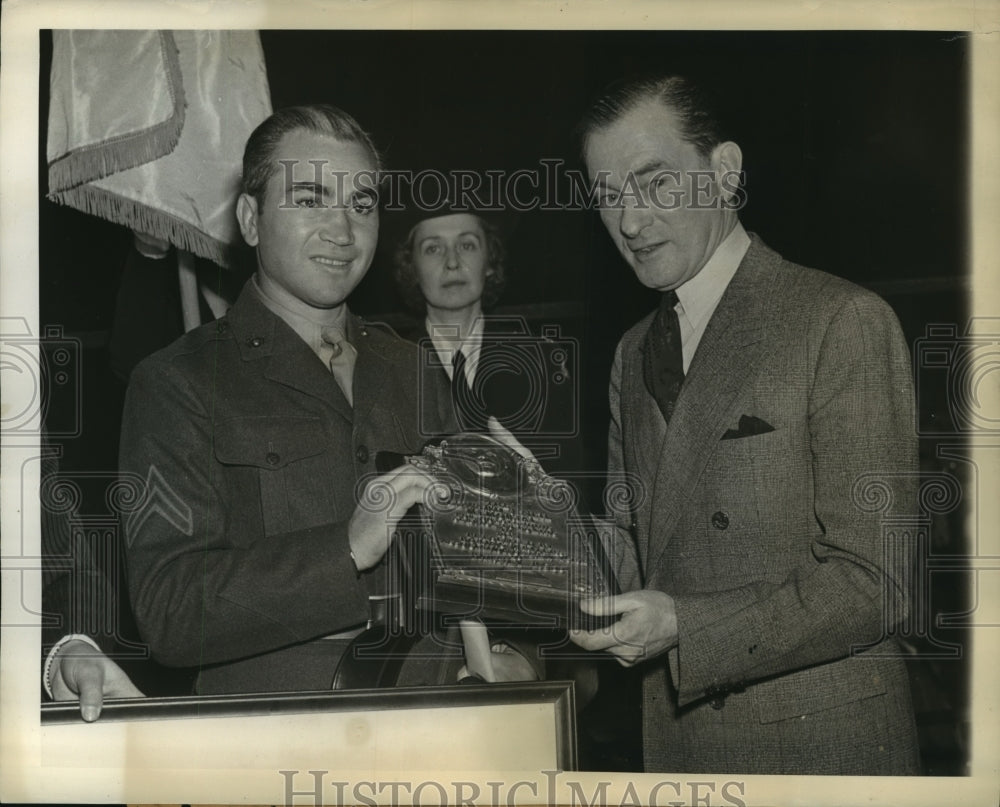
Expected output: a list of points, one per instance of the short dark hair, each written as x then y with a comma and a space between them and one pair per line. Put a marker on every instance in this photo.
258, 156
406, 271
696, 109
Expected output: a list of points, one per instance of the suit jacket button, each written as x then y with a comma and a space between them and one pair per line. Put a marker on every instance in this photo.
361, 453
255, 341
720, 520
272, 458
718, 702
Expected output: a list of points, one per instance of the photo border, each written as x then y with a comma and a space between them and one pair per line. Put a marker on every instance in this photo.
19, 701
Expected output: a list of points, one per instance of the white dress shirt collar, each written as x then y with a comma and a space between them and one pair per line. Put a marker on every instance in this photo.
699, 297
701, 294
445, 340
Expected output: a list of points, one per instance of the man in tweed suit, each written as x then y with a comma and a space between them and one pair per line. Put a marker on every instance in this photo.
754, 405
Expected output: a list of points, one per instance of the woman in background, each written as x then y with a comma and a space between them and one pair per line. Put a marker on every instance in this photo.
450, 269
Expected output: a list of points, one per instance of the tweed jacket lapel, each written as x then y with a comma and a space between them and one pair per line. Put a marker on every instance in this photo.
726, 360
644, 432
284, 358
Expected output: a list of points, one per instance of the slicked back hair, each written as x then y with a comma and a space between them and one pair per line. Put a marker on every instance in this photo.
258, 156
696, 110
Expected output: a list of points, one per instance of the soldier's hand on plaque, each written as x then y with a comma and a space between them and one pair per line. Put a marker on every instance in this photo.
385, 500
647, 628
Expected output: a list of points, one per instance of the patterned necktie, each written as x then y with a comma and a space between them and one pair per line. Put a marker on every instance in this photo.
663, 360
339, 357
471, 415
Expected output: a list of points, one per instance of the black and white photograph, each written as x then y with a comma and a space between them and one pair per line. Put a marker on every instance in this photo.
470, 409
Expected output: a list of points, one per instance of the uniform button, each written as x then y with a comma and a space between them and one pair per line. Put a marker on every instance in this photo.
717, 702
272, 458
255, 341
361, 453
720, 520
222, 326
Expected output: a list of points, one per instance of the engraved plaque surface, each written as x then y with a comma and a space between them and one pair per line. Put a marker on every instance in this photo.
504, 540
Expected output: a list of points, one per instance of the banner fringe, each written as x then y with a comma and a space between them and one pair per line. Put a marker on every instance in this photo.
137, 216
120, 153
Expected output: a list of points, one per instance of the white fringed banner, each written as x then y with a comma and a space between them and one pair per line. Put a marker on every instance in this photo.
147, 128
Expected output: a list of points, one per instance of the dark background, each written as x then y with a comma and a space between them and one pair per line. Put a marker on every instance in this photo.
855, 152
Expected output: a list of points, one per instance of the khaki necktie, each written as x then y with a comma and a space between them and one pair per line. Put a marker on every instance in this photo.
339, 356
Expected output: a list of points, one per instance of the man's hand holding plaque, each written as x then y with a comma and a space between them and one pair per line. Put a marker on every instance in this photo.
647, 628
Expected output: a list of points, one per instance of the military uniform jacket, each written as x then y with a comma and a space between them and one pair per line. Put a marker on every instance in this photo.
760, 509
238, 559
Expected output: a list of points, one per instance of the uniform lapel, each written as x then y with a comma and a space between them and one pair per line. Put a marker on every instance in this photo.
372, 370
726, 360
285, 359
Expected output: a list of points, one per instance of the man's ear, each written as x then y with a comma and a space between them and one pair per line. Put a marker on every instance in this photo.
727, 162
727, 157
246, 214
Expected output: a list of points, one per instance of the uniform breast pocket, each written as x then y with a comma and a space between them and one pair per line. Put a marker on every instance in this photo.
292, 465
